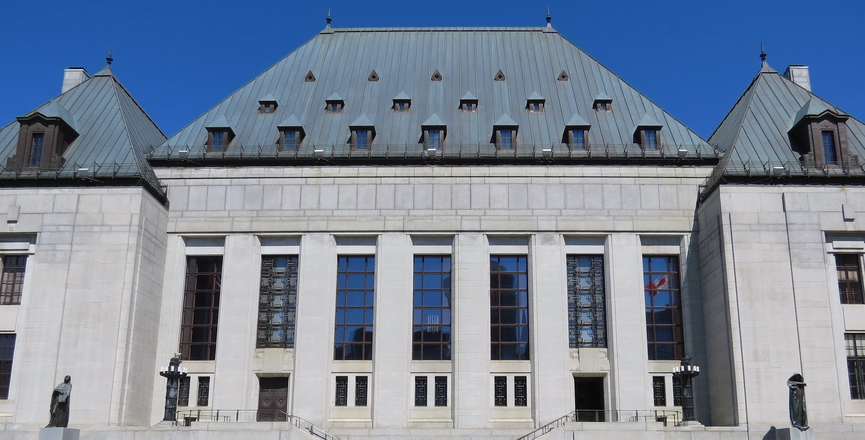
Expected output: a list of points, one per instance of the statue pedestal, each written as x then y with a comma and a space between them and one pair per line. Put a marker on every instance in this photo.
789, 434
58, 434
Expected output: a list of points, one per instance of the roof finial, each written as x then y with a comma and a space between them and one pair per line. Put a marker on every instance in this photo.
549, 18
762, 52
328, 18
109, 59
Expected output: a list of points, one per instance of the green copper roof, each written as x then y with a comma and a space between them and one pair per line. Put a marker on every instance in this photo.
114, 135
405, 59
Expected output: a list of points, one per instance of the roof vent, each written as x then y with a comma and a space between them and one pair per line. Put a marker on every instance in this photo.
72, 77
372, 76
499, 76
309, 77
563, 76
799, 74
436, 76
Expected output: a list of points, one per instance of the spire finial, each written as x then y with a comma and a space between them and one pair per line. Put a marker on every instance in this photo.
549, 17
109, 59
328, 17
762, 52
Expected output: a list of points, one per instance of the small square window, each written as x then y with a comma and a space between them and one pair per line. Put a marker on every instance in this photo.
334, 106
535, 106
267, 107
290, 138
469, 105
401, 105
604, 106
218, 140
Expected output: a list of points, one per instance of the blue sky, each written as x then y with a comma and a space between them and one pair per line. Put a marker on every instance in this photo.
178, 58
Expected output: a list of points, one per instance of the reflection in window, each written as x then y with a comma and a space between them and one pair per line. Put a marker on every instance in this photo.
856, 364
509, 308
663, 308
355, 288
218, 142
200, 308
12, 279
578, 138
506, 139
586, 301
849, 270
651, 139
431, 331
829, 147
37, 141
277, 302
7, 349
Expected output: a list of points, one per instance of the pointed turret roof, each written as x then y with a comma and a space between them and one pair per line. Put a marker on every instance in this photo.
114, 135
757, 127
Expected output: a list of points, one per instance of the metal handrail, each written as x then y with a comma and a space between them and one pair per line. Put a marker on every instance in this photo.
613, 416
251, 415
590, 151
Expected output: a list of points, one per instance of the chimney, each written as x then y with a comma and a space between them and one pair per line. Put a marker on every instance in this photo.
799, 75
72, 77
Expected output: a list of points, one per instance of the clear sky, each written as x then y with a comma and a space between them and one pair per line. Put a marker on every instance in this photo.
180, 57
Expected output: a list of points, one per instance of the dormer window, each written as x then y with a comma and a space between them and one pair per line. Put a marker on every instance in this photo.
469, 103
577, 138
648, 134
267, 104
37, 140
505, 133
434, 130
335, 104
401, 103
535, 103
820, 136
362, 133
218, 139
291, 134
43, 138
603, 103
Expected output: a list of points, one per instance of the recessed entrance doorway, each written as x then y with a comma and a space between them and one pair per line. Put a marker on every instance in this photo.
589, 398
272, 399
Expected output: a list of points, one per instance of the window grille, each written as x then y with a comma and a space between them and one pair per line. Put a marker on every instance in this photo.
677, 391
663, 308
501, 390
441, 391
360, 390
183, 392
431, 330
354, 308
521, 395
203, 390
12, 279
420, 391
509, 308
586, 301
277, 303
341, 390
659, 390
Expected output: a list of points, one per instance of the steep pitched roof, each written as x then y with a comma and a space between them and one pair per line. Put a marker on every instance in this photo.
114, 135
756, 128
403, 58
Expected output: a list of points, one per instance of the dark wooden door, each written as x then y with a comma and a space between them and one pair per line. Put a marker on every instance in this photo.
272, 399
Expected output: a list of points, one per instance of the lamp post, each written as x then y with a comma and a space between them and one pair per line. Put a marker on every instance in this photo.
172, 373
685, 372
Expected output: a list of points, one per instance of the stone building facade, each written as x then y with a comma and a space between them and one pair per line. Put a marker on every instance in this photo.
409, 233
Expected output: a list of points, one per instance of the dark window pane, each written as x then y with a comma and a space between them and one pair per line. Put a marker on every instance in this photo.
354, 309
849, 270
420, 391
12, 279
341, 391
500, 390
431, 308
664, 332
7, 350
200, 308
509, 318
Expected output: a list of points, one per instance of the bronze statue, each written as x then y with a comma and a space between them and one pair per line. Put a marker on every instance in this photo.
60, 404
798, 411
